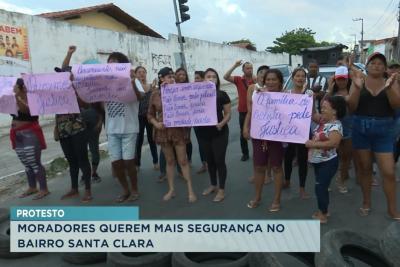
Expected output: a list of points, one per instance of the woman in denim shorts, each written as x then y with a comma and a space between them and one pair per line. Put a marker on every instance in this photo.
264, 151
374, 100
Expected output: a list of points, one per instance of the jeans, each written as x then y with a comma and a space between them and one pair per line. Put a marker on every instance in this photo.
76, 153
243, 142
144, 124
324, 173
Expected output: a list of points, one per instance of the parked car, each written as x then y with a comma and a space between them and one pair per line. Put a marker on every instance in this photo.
324, 71
285, 69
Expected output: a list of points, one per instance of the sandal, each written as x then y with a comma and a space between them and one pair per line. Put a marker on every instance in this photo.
86, 199
364, 211
275, 208
192, 198
209, 190
41, 195
253, 204
122, 198
168, 196
134, 197
28, 193
70, 194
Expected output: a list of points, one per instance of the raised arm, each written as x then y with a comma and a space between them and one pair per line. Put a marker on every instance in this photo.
247, 120
228, 75
21, 98
355, 89
67, 59
393, 91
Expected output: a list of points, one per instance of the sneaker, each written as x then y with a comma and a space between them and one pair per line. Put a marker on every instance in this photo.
96, 179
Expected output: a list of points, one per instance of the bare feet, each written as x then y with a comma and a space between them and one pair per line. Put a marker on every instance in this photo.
169, 195
192, 198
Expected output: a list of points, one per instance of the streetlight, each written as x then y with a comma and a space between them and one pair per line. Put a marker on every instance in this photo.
362, 37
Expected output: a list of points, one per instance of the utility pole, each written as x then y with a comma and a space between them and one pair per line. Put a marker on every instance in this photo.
362, 38
182, 8
355, 42
398, 36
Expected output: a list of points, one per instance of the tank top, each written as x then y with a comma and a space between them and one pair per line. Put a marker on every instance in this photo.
374, 106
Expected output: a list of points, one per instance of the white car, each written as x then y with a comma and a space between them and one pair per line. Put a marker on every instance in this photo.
325, 71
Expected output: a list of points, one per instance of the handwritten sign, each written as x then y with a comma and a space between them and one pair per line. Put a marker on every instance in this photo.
104, 82
281, 117
50, 93
8, 104
189, 104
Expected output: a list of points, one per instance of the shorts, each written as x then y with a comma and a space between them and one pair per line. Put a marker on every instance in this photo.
373, 133
122, 146
274, 153
347, 124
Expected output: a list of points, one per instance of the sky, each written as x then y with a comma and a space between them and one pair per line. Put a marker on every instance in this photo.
261, 21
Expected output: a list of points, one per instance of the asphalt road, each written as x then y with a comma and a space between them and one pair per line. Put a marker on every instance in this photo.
239, 191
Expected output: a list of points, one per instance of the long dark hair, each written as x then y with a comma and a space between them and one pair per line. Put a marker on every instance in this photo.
278, 74
296, 70
121, 58
338, 103
336, 88
218, 85
182, 69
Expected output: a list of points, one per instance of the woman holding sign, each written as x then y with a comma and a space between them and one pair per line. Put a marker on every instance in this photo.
265, 151
214, 140
28, 141
322, 150
299, 77
170, 138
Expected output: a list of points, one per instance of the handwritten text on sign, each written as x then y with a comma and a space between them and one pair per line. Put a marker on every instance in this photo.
104, 82
50, 93
189, 104
8, 104
281, 117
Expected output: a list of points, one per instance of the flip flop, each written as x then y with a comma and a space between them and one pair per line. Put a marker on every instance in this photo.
253, 204
86, 199
28, 193
274, 208
133, 197
122, 198
40, 196
363, 212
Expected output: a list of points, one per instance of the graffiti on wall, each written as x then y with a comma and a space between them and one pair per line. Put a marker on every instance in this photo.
159, 61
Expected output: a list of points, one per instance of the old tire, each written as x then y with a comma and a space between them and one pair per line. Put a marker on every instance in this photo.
219, 259
338, 245
263, 259
390, 244
5, 238
308, 258
84, 258
139, 259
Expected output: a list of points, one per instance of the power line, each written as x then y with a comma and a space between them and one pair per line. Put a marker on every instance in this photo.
384, 13
389, 18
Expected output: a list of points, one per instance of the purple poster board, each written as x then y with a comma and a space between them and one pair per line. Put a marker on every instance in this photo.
104, 82
189, 104
281, 117
8, 104
51, 93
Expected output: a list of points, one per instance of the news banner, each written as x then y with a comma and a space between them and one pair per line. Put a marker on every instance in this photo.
119, 229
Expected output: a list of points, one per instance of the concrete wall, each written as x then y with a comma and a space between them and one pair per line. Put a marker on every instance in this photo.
49, 40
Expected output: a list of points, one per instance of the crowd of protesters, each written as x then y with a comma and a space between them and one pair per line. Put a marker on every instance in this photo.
355, 122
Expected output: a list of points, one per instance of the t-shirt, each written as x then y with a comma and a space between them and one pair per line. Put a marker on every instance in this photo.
319, 80
242, 85
122, 118
209, 131
321, 133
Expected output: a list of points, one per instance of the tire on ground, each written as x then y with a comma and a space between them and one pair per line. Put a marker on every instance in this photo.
5, 238
218, 259
308, 258
390, 243
339, 244
84, 258
139, 259
263, 259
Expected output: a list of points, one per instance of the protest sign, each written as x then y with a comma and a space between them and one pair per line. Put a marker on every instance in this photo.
104, 82
50, 93
8, 104
189, 104
281, 117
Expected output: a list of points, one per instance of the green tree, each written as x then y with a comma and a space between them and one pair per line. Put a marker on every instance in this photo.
291, 42
241, 41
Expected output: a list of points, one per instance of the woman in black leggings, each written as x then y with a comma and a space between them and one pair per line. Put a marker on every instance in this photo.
214, 140
297, 150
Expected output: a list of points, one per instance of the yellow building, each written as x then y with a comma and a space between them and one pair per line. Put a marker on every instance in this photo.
107, 16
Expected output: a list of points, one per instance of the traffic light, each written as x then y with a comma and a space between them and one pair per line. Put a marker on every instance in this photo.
183, 9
